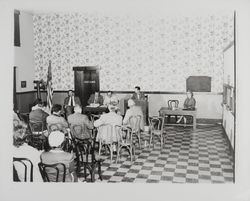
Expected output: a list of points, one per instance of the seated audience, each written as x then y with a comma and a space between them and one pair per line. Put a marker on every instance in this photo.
138, 95
95, 98
57, 119
23, 150
57, 155
70, 102
189, 104
37, 114
133, 111
80, 119
110, 97
109, 118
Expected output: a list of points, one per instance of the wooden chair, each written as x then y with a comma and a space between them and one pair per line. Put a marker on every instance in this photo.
86, 159
47, 170
107, 143
37, 137
156, 125
170, 106
24, 162
134, 123
125, 140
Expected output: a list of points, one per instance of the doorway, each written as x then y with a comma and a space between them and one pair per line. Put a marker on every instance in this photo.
86, 82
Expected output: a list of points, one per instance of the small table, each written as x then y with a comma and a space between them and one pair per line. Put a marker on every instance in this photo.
164, 111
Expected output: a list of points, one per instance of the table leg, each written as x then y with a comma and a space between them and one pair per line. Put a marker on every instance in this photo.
194, 122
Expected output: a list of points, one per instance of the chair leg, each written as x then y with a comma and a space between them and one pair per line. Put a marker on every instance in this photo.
85, 172
99, 170
111, 153
150, 140
139, 139
100, 148
131, 153
92, 173
118, 154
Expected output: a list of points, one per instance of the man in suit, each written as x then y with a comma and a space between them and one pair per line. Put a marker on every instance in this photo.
70, 102
80, 119
138, 95
96, 98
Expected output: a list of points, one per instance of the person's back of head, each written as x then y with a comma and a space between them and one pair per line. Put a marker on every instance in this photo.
38, 102
56, 109
131, 103
78, 109
56, 139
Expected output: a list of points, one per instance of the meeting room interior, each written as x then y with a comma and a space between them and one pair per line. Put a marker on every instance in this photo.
113, 97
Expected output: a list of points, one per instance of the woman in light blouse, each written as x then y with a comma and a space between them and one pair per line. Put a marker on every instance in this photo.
189, 104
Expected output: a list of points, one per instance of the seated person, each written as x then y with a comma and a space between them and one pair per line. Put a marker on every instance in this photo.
23, 150
37, 114
109, 118
70, 102
95, 98
17, 121
57, 155
133, 111
110, 97
189, 104
138, 95
80, 119
57, 119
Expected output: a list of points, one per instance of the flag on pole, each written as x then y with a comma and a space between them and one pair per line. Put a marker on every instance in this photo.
49, 87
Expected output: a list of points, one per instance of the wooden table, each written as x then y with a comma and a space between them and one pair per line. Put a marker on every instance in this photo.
95, 110
165, 111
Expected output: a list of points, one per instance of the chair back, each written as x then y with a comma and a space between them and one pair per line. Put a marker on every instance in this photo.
173, 102
24, 162
156, 123
54, 127
37, 127
94, 117
79, 131
106, 131
124, 134
52, 172
85, 151
134, 122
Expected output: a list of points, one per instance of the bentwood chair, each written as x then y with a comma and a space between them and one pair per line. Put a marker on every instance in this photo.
134, 123
37, 138
106, 139
171, 105
156, 125
25, 162
86, 159
125, 141
52, 172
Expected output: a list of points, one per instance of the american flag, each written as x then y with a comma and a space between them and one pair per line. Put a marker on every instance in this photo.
49, 87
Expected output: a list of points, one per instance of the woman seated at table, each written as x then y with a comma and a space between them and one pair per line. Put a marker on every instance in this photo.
111, 118
189, 104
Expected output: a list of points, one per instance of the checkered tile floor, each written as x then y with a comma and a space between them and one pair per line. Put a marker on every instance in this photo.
202, 156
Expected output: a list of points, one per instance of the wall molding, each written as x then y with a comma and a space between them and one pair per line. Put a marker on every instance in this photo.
130, 92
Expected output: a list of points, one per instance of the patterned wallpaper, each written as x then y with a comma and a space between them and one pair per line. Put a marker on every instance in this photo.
156, 53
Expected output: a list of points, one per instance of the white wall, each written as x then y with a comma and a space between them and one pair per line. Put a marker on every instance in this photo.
24, 55
228, 117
